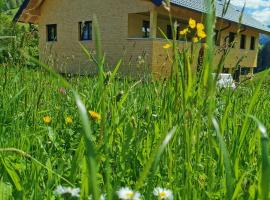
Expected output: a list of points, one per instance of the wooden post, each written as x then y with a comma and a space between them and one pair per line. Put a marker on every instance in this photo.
251, 70
153, 23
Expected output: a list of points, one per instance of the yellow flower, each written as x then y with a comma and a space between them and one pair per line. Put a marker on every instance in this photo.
200, 27
195, 40
184, 32
47, 120
167, 46
201, 34
94, 115
69, 120
192, 23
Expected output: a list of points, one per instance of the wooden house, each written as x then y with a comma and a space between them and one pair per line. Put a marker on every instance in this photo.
130, 29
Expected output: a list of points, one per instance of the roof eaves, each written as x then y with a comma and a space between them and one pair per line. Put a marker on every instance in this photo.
20, 11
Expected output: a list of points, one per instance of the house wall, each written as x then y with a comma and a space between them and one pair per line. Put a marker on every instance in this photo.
250, 56
66, 54
120, 24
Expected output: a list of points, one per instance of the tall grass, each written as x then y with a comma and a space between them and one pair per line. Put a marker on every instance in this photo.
180, 134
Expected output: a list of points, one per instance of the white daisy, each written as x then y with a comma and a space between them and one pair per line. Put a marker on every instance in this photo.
163, 193
127, 194
73, 192
102, 197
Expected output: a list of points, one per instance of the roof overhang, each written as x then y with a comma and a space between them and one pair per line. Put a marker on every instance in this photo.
29, 11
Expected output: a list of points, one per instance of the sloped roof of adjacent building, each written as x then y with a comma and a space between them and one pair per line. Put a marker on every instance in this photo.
233, 13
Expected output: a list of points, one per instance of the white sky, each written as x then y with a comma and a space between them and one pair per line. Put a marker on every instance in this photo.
259, 9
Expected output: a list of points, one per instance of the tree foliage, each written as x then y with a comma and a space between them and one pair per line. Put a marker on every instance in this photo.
9, 4
265, 55
15, 39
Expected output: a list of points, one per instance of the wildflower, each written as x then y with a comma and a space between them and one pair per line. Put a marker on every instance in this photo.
62, 91
141, 60
195, 39
47, 120
102, 197
225, 81
201, 34
167, 46
192, 23
69, 120
63, 191
154, 115
126, 194
200, 27
94, 115
163, 193
184, 32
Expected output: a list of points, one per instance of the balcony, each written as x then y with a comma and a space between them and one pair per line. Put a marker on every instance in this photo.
146, 40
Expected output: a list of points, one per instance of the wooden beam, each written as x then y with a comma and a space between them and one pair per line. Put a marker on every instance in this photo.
153, 23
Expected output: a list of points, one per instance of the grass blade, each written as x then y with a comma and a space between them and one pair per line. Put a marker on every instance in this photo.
227, 162
155, 157
265, 171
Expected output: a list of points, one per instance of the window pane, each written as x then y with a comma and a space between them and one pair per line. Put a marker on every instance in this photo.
169, 32
217, 37
85, 30
231, 39
146, 29
243, 42
252, 43
52, 32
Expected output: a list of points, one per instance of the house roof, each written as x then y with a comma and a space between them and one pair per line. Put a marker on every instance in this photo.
28, 11
233, 13
20, 11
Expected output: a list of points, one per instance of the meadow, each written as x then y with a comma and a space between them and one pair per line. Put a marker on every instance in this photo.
129, 138
81, 137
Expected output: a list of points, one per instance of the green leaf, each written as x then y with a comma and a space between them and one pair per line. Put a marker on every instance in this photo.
227, 162
265, 177
5, 191
13, 175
